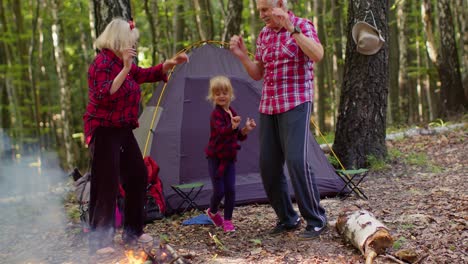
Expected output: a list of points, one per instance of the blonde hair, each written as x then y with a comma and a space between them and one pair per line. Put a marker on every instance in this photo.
117, 36
220, 84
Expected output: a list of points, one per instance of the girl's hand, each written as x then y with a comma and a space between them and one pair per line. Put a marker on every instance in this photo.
235, 121
127, 57
250, 124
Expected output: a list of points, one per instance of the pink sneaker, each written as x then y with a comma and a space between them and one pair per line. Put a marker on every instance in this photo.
215, 218
228, 226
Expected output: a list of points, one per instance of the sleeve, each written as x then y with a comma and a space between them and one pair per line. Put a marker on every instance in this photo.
258, 49
240, 136
148, 75
100, 79
308, 29
218, 122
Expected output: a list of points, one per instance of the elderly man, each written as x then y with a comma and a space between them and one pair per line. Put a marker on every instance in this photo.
287, 48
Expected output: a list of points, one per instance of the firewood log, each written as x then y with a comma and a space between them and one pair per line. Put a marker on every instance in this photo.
364, 231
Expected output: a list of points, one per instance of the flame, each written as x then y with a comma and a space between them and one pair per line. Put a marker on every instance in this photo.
132, 259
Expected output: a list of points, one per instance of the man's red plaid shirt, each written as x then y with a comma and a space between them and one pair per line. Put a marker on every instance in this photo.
121, 108
288, 73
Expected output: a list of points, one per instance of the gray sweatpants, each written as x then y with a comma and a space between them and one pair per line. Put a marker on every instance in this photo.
285, 138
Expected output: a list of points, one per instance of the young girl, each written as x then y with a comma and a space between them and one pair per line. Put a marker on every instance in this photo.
222, 150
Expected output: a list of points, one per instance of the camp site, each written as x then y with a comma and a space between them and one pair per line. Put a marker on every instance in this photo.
385, 143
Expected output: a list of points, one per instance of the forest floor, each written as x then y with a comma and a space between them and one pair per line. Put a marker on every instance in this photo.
419, 194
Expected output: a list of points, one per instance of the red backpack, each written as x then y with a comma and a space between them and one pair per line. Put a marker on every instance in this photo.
155, 206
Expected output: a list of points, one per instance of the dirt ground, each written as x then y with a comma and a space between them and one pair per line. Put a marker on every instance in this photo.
420, 196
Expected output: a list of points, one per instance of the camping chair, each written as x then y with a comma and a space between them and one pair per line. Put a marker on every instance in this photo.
188, 192
352, 179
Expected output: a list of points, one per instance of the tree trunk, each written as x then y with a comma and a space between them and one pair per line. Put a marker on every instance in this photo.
403, 80
360, 131
106, 10
462, 20
204, 19
16, 119
431, 48
393, 110
233, 19
33, 77
253, 19
65, 97
338, 60
179, 25
453, 98
150, 9
320, 89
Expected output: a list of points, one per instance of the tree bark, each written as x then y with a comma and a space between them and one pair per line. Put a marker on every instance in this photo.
338, 60
393, 110
364, 231
150, 9
319, 68
360, 131
233, 20
65, 96
204, 19
403, 79
179, 25
33, 77
453, 99
16, 119
106, 10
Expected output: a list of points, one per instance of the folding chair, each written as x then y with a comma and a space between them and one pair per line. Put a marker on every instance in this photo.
188, 192
352, 179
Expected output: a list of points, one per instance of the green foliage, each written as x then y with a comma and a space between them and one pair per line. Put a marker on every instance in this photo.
377, 164
73, 213
333, 161
438, 123
327, 138
394, 154
399, 243
256, 242
164, 237
419, 159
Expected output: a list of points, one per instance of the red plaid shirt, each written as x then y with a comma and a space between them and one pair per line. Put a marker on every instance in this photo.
223, 143
121, 108
288, 72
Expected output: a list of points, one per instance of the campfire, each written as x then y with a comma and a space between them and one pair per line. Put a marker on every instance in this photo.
158, 255
132, 259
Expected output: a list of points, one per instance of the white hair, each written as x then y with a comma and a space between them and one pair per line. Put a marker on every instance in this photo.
275, 3
117, 36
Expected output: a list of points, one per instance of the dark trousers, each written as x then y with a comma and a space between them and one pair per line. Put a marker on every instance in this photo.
224, 186
116, 158
284, 138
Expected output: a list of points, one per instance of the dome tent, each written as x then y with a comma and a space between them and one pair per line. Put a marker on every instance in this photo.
174, 128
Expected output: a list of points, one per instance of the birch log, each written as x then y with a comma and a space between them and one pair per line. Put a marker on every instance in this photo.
364, 231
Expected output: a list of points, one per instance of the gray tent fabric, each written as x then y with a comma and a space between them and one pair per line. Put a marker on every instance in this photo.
182, 130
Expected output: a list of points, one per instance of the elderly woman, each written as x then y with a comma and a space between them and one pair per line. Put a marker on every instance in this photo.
111, 115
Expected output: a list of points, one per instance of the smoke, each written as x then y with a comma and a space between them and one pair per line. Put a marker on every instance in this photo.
34, 226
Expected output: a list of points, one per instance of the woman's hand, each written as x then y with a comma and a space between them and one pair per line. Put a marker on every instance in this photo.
176, 60
127, 57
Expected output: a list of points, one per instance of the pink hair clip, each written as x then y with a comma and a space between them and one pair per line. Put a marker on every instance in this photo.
131, 23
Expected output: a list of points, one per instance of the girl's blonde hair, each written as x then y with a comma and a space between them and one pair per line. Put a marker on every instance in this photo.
117, 36
220, 84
